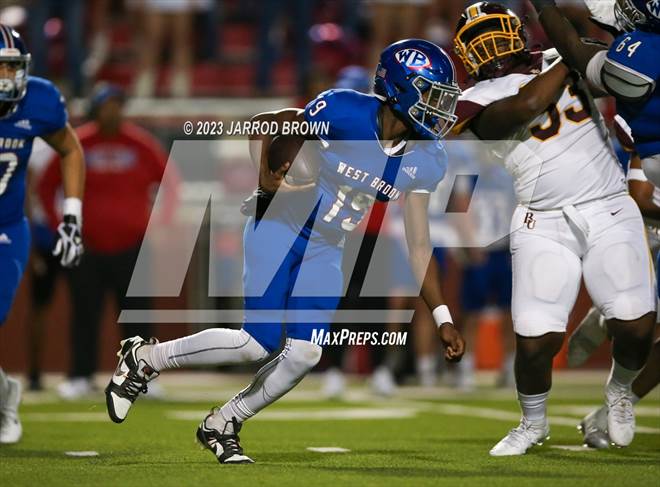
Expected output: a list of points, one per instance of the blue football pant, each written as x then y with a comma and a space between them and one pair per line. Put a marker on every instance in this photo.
302, 294
14, 251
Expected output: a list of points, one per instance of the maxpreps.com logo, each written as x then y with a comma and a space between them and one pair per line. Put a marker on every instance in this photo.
413, 59
653, 6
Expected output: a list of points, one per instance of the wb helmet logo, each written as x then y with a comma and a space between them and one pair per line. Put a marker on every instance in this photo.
653, 6
413, 59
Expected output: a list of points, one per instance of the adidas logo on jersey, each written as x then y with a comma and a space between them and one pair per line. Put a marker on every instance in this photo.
4, 239
23, 124
411, 171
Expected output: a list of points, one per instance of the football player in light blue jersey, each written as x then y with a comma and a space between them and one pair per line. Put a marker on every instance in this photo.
628, 70
29, 107
292, 253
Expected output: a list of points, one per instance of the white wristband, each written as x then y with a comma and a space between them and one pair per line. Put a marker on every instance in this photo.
636, 175
442, 315
73, 206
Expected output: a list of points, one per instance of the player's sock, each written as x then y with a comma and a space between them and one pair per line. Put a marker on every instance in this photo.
4, 386
426, 370
534, 406
273, 380
620, 377
214, 346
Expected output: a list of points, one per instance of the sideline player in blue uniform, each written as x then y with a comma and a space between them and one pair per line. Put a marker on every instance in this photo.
29, 107
292, 273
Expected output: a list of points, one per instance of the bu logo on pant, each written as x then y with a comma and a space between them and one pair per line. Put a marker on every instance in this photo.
529, 220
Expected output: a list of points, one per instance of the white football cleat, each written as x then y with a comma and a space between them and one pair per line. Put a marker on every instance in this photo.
225, 444
129, 380
334, 383
620, 416
586, 338
75, 388
521, 439
10, 426
594, 429
382, 382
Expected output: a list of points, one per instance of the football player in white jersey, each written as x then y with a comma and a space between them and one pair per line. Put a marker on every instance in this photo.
592, 331
575, 218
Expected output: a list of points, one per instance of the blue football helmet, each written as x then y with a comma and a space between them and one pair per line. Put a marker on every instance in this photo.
418, 81
638, 14
13, 53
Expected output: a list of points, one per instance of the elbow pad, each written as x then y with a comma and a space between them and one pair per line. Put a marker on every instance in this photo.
626, 84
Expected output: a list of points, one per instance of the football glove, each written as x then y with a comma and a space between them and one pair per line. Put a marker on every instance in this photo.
69, 247
256, 204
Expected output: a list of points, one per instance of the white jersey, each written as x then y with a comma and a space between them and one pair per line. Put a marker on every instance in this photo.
561, 158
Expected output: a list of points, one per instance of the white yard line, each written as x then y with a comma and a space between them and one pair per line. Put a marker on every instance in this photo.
327, 449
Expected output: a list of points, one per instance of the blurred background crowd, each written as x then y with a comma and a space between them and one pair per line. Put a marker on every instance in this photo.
186, 48
133, 71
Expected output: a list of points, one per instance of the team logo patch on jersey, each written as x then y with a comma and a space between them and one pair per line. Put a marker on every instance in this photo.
413, 59
653, 6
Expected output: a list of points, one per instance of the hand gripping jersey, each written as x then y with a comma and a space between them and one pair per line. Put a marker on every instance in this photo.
560, 158
40, 112
635, 55
356, 169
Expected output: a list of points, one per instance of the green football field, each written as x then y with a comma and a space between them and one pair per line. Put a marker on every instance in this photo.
437, 437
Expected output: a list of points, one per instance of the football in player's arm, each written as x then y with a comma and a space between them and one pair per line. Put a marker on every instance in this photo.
416, 216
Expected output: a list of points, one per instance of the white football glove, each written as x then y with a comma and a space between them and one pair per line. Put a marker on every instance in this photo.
69, 247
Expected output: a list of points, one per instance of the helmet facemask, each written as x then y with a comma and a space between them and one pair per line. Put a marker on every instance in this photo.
13, 89
628, 16
488, 46
436, 106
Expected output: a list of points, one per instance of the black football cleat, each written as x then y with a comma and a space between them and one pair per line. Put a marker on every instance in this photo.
225, 446
129, 380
